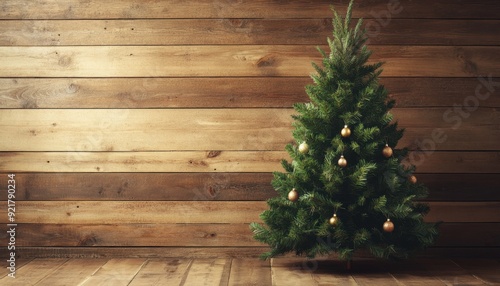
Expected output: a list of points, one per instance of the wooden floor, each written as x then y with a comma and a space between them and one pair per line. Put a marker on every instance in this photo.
227, 271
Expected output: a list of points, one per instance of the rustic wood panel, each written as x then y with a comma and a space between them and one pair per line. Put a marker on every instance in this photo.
138, 234
462, 187
235, 60
141, 186
216, 162
258, 92
222, 129
140, 252
79, 9
469, 235
210, 252
205, 235
189, 161
238, 32
144, 129
211, 186
117, 212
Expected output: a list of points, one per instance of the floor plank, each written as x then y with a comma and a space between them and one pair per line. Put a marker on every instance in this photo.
487, 270
4, 271
295, 271
205, 272
250, 272
162, 272
73, 272
116, 272
33, 272
428, 271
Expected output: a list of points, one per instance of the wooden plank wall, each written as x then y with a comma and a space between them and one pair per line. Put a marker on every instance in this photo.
151, 128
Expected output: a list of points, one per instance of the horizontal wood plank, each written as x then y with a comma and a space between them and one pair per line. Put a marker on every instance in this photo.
238, 32
205, 235
91, 130
469, 235
123, 235
211, 186
140, 252
260, 92
217, 162
235, 60
141, 186
461, 187
212, 252
189, 161
79, 9
117, 212
146, 130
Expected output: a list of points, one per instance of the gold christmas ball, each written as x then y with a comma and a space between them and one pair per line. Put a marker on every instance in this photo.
345, 132
334, 220
293, 195
303, 148
412, 179
387, 151
342, 161
388, 226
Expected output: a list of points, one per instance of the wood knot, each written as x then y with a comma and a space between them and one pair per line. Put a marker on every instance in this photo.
72, 88
89, 240
65, 61
266, 61
213, 154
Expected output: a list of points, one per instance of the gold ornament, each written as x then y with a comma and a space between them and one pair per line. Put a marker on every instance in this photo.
387, 151
293, 195
345, 132
412, 179
303, 148
342, 161
388, 226
334, 220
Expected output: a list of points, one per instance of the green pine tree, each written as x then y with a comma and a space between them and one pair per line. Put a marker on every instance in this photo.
373, 187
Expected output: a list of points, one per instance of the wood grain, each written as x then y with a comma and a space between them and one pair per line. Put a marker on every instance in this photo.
79, 9
150, 212
212, 252
250, 272
189, 161
141, 186
91, 130
73, 272
206, 272
206, 235
259, 92
227, 161
137, 234
235, 60
238, 32
34, 271
162, 272
116, 272
211, 186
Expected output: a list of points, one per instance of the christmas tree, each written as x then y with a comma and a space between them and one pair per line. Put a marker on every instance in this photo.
346, 187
